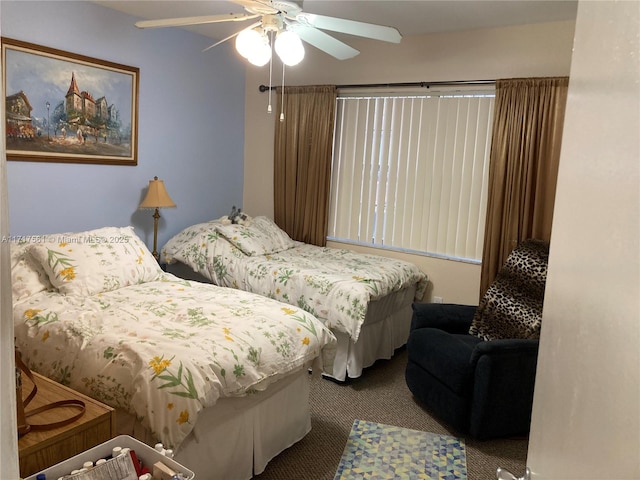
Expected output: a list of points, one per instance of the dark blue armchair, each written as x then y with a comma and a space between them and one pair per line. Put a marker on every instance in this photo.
474, 367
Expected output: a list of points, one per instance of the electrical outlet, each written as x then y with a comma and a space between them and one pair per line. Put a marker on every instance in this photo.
437, 299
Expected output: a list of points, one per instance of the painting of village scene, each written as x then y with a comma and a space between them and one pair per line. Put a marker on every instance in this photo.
64, 107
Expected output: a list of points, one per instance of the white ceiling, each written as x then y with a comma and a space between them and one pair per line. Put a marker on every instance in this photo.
412, 17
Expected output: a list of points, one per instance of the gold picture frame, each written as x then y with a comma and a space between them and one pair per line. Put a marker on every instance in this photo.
67, 108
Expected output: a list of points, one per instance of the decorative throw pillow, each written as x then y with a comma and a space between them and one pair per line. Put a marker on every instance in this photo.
96, 261
512, 305
27, 275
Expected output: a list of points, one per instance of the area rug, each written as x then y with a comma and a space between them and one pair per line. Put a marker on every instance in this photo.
378, 451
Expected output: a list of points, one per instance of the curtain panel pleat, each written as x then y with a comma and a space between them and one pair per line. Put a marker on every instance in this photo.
302, 161
523, 166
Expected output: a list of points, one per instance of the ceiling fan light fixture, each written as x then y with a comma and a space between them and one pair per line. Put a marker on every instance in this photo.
247, 42
285, 20
261, 53
289, 48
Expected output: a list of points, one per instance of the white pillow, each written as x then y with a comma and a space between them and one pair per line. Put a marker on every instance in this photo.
252, 239
209, 252
27, 275
278, 236
96, 261
176, 243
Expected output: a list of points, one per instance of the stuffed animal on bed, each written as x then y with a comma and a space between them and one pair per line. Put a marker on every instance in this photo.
236, 217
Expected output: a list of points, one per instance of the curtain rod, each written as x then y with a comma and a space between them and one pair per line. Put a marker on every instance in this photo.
265, 88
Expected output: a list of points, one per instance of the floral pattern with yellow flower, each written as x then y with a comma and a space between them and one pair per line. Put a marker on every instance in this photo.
227, 334
243, 340
32, 312
159, 365
68, 273
60, 260
183, 417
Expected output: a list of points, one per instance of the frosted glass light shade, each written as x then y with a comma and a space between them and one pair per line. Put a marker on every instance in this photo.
261, 53
247, 41
289, 48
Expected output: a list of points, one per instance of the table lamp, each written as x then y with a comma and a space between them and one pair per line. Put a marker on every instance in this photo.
157, 197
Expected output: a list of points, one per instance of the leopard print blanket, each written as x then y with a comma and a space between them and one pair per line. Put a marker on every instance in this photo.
512, 306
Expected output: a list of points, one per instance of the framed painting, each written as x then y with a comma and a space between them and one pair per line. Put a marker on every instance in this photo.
65, 107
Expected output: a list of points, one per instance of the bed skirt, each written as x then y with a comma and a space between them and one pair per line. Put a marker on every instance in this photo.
385, 329
238, 437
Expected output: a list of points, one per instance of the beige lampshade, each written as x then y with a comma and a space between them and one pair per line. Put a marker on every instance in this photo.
157, 196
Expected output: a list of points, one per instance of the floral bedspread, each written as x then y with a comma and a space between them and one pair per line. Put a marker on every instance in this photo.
165, 350
335, 285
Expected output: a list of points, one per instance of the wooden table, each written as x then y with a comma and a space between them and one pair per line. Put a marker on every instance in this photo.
41, 449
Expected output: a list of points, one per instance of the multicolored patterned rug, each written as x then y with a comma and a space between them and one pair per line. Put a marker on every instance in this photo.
378, 451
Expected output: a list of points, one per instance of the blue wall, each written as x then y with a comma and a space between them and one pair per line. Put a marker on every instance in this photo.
190, 126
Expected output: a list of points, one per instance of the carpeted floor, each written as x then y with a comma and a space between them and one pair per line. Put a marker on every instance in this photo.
380, 395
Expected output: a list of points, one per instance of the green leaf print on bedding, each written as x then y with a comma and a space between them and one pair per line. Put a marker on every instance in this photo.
36, 319
161, 369
197, 318
55, 259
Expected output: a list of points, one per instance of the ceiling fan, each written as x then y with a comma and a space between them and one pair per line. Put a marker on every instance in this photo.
289, 24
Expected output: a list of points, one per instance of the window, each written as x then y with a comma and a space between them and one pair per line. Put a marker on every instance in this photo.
410, 172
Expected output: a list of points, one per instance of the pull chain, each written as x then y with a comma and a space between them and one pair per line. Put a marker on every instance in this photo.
282, 99
270, 71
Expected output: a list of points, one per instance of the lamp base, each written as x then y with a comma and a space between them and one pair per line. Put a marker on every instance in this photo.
156, 217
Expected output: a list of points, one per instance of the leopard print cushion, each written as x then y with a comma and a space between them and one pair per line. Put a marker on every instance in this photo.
512, 306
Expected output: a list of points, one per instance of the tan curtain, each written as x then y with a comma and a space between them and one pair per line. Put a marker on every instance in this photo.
302, 161
523, 168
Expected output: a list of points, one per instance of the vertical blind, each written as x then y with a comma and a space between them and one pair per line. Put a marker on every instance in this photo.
410, 172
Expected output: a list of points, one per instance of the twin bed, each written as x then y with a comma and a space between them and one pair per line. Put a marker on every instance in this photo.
218, 374
364, 299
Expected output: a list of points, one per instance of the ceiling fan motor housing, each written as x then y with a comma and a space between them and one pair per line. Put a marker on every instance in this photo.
272, 23
289, 9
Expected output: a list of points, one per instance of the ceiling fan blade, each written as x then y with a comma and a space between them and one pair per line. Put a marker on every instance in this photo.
231, 36
185, 21
361, 29
324, 42
243, 3
262, 4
